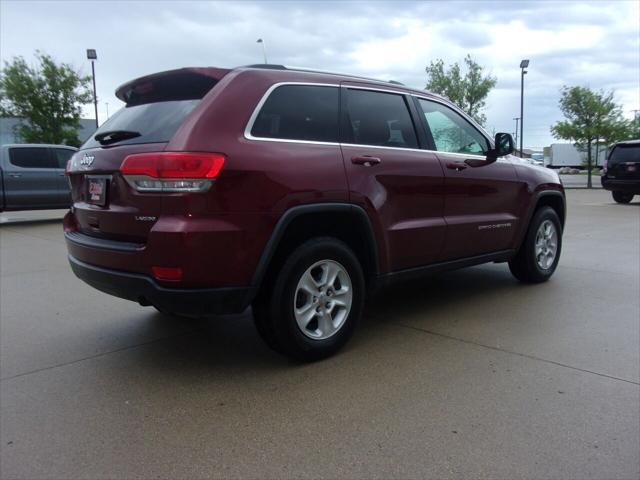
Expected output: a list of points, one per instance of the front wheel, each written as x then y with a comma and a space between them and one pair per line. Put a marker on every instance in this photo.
310, 308
622, 197
539, 254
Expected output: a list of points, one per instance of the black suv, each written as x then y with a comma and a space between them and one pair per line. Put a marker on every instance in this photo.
621, 174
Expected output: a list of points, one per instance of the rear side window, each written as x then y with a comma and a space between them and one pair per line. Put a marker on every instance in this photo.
624, 154
378, 118
154, 122
31, 157
62, 156
299, 112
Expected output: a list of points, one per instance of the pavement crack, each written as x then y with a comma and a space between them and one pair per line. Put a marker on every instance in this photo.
524, 355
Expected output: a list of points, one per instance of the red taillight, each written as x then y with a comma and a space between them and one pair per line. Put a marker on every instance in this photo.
172, 171
172, 274
173, 165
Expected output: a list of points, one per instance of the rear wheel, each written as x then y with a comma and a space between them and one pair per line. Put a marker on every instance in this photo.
309, 309
622, 197
539, 254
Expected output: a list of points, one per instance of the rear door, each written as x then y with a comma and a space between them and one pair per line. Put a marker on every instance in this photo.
481, 202
30, 179
399, 184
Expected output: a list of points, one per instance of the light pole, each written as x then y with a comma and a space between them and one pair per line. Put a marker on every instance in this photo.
264, 49
107, 105
93, 56
523, 64
516, 139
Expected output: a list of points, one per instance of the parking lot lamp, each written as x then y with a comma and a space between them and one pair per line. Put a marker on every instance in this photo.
264, 49
523, 64
93, 56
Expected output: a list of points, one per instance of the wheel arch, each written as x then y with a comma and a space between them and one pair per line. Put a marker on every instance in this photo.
346, 222
546, 198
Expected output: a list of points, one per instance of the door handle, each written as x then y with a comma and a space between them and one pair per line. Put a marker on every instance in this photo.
457, 166
15, 175
366, 160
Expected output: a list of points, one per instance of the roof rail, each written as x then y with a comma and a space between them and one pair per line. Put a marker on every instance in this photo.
268, 66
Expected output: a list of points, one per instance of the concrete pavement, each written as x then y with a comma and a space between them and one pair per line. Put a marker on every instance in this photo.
463, 375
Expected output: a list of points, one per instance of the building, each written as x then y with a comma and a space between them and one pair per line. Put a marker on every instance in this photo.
8, 124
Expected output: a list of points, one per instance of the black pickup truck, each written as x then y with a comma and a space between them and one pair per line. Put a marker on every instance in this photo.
32, 176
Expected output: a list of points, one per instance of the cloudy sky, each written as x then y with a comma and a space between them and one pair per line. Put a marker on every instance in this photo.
569, 43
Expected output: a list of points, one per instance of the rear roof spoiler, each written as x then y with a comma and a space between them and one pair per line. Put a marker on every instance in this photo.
180, 84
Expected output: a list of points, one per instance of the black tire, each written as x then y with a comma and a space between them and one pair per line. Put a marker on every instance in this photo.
622, 197
273, 310
524, 265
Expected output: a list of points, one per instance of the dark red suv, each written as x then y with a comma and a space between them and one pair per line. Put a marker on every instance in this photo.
297, 192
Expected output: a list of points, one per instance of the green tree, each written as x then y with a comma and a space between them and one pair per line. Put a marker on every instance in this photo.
49, 97
634, 128
468, 91
590, 116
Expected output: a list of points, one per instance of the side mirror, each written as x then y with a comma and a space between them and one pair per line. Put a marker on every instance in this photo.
504, 145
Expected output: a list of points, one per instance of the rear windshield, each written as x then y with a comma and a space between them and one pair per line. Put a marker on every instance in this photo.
623, 154
155, 122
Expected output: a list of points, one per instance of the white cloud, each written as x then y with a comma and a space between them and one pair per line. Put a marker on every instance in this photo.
594, 44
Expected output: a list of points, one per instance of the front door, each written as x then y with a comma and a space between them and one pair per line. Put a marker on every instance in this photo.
398, 184
481, 198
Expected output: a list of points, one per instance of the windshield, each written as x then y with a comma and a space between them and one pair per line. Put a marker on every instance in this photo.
155, 122
623, 154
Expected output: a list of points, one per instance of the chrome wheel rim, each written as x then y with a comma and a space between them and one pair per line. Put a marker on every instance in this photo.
546, 244
323, 299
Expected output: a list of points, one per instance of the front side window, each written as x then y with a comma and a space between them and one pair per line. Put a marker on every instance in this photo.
299, 112
379, 118
31, 157
451, 132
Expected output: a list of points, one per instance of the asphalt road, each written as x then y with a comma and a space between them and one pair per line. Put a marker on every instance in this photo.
580, 181
464, 375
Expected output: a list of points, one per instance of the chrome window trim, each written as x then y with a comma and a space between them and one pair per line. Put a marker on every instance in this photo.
256, 111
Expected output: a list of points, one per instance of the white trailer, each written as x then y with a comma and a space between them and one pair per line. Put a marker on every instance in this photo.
561, 155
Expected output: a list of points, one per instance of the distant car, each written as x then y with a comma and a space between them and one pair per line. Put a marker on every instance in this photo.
621, 174
32, 176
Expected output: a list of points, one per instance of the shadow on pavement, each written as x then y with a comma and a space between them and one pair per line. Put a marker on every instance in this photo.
231, 343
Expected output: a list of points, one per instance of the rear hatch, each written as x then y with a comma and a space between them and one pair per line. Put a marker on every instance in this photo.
105, 204
624, 162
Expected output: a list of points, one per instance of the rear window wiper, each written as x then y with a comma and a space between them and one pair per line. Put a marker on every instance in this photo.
112, 136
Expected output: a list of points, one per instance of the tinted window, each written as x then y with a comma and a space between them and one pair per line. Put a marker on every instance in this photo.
156, 122
31, 157
451, 132
299, 112
378, 118
623, 154
62, 156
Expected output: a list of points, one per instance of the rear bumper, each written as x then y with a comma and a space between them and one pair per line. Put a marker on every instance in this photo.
626, 186
142, 289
